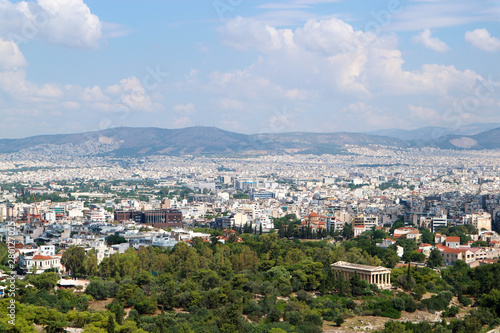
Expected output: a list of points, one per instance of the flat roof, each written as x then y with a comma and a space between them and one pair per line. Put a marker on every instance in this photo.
358, 267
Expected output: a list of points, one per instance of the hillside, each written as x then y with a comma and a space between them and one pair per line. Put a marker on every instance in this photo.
132, 141
140, 141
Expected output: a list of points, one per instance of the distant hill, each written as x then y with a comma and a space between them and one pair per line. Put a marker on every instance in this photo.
137, 141
321, 143
434, 132
484, 140
142, 141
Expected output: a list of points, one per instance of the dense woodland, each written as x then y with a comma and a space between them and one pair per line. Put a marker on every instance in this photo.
263, 284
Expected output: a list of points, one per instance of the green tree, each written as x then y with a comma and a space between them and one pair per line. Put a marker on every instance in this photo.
44, 281
115, 239
347, 231
435, 259
97, 289
427, 236
73, 259
110, 328
90, 263
56, 327
116, 307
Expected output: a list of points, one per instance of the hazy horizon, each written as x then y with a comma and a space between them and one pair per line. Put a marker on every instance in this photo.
495, 125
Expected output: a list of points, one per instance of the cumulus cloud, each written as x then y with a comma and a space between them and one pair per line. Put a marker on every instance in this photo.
243, 33
331, 54
425, 38
482, 39
246, 83
186, 109
10, 56
330, 37
130, 94
66, 22
325, 64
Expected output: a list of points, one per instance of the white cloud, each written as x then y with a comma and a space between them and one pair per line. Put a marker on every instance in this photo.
185, 109
66, 22
229, 104
369, 116
330, 37
332, 56
331, 63
10, 56
428, 115
93, 94
425, 38
182, 122
131, 94
420, 15
482, 39
242, 34
251, 85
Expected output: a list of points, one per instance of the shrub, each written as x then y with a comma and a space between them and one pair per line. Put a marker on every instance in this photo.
304, 296
313, 318
465, 301
391, 313
452, 311
398, 303
293, 317
97, 289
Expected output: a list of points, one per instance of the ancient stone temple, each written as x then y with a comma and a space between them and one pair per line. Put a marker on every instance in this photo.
379, 275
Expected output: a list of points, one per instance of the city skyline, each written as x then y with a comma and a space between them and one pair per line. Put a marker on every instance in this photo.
248, 67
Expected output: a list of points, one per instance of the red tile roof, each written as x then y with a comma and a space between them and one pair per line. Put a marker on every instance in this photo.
448, 250
40, 257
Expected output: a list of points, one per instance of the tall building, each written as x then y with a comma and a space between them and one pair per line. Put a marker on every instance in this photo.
480, 220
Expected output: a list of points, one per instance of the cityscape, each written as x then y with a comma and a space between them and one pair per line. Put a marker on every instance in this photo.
262, 167
425, 208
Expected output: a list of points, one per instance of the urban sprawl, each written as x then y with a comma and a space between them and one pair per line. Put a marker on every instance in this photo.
420, 203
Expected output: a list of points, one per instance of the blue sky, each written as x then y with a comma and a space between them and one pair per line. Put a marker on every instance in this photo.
247, 66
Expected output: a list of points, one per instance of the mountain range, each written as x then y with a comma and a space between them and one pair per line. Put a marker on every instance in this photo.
424, 133
140, 141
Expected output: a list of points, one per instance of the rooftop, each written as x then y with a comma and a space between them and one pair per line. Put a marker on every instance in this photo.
366, 268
